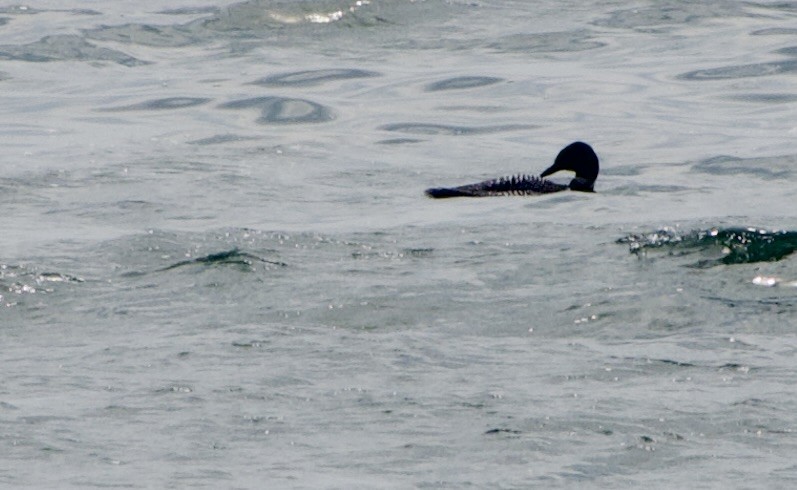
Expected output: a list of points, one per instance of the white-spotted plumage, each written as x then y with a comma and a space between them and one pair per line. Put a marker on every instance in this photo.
578, 157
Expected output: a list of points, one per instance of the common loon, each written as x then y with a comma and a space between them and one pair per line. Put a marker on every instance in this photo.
577, 157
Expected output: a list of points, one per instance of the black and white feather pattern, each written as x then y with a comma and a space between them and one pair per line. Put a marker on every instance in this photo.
515, 185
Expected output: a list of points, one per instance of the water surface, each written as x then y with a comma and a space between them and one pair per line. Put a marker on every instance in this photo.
218, 267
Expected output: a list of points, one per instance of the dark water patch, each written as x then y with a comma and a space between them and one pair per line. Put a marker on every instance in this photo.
65, 47
730, 245
133, 205
458, 83
417, 252
142, 34
788, 7
4, 21
742, 71
174, 273
500, 431
81, 12
158, 251
668, 14
229, 257
313, 77
674, 363
547, 42
775, 31
248, 344
221, 138
768, 168
190, 11
168, 103
768, 306
445, 129
757, 402
479, 109
282, 110
646, 439
664, 362
399, 141
790, 51
765, 98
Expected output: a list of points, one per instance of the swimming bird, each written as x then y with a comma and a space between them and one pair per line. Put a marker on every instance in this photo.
578, 157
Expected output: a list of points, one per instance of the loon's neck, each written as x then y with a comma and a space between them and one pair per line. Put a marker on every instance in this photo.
582, 185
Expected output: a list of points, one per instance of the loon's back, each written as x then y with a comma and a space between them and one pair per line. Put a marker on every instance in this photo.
516, 185
578, 157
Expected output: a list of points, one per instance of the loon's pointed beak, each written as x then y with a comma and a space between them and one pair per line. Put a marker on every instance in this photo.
548, 171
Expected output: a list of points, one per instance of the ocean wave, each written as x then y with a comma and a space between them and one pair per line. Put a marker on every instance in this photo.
729, 245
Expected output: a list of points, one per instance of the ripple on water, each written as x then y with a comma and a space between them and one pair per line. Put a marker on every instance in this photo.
228, 257
161, 104
775, 31
398, 141
17, 282
263, 17
313, 77
282, 110
546, 42
143, 34
433, 129
221, 138
769, 168
190, 11
735, 245
458, 83
65, 47
742, 71
669, 14
790, 51
769, 98
26, 10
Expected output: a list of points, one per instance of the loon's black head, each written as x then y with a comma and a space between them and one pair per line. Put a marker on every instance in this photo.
581, 159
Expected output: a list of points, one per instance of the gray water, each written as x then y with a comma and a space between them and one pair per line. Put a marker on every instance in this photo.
218, 268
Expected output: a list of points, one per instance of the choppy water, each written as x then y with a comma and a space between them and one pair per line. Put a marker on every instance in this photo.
218, 268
